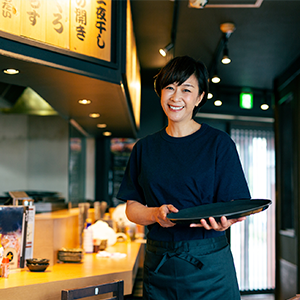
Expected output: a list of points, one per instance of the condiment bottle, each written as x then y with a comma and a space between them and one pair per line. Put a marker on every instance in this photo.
88, 244
5, 267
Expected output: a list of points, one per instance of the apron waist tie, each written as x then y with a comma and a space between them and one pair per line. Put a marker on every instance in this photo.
184, 256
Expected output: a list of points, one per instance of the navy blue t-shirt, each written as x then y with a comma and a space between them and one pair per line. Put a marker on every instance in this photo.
189, 171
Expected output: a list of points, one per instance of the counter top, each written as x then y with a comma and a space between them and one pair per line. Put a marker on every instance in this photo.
23, 284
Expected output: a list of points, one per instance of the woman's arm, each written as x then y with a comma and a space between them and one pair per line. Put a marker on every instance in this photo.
143, 215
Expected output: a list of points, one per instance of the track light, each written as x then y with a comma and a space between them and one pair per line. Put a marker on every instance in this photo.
264, 103
216, 78
218, 103
163, 51
225, 60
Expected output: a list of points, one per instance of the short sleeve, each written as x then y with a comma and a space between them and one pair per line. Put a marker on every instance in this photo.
230, 181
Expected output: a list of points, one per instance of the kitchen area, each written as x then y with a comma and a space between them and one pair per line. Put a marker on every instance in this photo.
48, 147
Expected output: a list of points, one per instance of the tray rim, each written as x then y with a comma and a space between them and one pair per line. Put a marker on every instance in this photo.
235, 214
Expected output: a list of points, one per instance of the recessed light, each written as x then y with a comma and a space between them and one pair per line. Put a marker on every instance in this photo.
101, 125
84, 101
209, 95
94, 115
11, 71
107, 133
218, 103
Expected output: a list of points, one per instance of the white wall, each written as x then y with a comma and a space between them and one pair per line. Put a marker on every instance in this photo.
34, 153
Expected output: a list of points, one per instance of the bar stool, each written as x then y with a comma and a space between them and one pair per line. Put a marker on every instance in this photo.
115, 287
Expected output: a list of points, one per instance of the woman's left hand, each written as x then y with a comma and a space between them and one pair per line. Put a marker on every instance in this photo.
217, 226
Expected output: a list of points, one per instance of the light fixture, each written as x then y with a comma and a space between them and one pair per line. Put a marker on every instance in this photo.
163, 51
264, 106
11, 71
225, 60
216, 78
84, 101
94, 115
101, 125
209, 95
218, 103
107, 133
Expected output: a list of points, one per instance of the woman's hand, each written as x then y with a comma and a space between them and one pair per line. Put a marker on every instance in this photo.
217, 226
161, 215
143, 215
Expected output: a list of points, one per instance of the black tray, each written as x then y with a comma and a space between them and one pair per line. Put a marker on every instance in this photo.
231, 210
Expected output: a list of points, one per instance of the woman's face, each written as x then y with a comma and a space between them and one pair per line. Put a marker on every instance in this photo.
178, 101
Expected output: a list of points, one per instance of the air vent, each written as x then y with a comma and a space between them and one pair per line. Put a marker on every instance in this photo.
225, 3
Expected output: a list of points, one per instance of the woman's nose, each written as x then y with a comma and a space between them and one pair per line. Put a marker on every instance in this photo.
176, 95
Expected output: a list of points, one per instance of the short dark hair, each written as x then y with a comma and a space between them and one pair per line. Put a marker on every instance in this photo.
178, 70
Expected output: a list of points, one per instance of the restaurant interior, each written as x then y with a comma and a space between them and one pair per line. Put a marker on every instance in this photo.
75, 97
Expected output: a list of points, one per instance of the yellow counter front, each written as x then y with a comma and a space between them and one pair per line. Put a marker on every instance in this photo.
60, 229
23, 284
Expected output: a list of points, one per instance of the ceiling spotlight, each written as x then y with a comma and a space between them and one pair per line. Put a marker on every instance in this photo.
163, 51
264, 106
11, 71
101, 125
218, 103
225, 60
84, 101
107, 133
216, 79
209, 95
94, 115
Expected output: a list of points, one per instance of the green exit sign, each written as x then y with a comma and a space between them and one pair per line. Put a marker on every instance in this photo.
246, 100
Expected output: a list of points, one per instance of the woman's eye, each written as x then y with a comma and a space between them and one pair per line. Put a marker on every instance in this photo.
186, 91
169, 88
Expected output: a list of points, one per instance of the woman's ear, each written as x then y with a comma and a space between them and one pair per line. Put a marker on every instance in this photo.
200, 97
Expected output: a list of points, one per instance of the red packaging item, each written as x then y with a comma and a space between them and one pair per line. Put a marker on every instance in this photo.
5, 267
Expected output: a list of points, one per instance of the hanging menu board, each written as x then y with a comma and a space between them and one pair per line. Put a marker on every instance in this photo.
83, 26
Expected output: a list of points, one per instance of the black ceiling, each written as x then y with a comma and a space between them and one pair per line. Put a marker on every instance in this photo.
265, 42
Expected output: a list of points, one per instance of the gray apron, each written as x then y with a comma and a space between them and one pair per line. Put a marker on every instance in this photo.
188, 270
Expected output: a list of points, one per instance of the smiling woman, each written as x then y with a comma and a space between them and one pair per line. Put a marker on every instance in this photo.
184, 165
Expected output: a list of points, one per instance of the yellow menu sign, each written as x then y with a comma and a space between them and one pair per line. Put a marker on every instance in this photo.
83, 26
10, 20
91, 27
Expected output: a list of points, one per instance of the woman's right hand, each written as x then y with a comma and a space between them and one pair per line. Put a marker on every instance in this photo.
143, 215
162, 215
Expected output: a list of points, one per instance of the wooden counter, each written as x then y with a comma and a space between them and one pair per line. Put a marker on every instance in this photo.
23, 284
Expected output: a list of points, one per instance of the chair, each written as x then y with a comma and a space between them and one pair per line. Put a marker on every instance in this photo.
115, 287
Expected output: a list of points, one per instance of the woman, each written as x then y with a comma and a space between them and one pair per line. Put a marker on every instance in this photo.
184, 165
